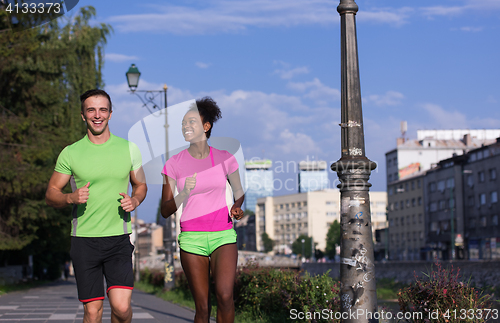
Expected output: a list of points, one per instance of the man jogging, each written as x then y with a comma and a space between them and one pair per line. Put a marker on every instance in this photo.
102, 165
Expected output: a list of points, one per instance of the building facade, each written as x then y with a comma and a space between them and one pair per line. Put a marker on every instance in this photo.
409, 198
285, 218
313, 176
258, 181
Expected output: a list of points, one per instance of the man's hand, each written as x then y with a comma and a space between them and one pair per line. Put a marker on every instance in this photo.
128, 203
236, 213
81, 195
190, 184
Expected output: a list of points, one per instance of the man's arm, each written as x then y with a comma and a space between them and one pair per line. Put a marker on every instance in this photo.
56, 198
139, 190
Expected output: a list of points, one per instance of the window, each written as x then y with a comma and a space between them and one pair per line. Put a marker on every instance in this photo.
287, 206
494, 197
330, 203
472, 157
441, 185
331, 213
413, 217
421, 235
402, 221
494, 220
493, 174
401, 205
406, 186
413, 202
412, 185
281, 206
480, 155
391, 191
389, 162
432, 187
470, 180
304, 203
451, 203
420, 218
483, 221
482, 198
450, 182
442, 204
471, 201
433, 207
419, 200
418, 183
486, 153
434, 226
293, 204
480, 176
472, 223
407, 203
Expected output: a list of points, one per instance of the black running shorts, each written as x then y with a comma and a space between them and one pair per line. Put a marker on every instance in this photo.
94, 257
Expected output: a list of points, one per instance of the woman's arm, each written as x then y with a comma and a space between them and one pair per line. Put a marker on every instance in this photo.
238, 193
169, 203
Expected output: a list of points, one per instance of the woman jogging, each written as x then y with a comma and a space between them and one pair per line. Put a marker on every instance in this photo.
207, 240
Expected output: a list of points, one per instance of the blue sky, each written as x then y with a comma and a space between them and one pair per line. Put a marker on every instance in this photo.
274, 69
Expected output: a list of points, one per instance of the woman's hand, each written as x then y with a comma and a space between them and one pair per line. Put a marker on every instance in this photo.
236, 212
190, 184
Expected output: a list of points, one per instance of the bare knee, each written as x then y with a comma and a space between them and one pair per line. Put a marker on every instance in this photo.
224, 298
92, 312
121, 311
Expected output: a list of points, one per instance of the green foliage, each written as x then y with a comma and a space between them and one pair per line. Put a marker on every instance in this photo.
268, 242
332, 239
443, 292
305, 250
43, 71
271, 294
153, 277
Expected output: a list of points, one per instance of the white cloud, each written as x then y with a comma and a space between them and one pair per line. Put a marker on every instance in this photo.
238, 15
297, 143
113, 57
395, 17
390, 98
287, 73
471, 29
443, 119
202, 65
443, 11
316, 90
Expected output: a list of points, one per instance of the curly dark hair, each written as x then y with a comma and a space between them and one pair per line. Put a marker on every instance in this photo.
95, 92
209, 112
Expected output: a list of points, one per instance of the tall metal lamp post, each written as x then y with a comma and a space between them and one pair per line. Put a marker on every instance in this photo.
357, 270
148, 101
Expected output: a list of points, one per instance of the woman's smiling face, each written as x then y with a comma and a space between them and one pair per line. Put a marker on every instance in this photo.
192, 127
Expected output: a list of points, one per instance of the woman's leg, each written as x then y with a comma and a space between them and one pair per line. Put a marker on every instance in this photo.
223, 264
197, 270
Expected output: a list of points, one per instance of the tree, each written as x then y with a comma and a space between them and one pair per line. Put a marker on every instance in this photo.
306, 249
332, 239
268, 242
43, 71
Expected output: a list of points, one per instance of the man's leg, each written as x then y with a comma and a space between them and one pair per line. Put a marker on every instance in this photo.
121, 309
92, 312
223, 263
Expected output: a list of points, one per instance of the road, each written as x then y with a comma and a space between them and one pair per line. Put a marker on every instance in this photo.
58, 303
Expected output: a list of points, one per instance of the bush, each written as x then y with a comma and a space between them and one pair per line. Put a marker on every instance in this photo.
153, 277
272, 293
443, 298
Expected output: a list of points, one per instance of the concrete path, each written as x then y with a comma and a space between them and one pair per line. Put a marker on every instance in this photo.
58, 303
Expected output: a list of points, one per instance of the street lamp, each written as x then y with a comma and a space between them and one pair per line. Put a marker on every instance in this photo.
303, 250
148, 101
357, 269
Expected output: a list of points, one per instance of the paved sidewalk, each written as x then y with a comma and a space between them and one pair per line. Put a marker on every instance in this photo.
58, 303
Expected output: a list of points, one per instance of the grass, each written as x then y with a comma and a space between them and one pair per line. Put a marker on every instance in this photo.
4, 289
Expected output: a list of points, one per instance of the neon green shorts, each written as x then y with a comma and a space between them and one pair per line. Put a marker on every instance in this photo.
204, 243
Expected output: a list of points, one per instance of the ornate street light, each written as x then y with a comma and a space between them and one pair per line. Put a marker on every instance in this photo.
357, 269
133, 75
148, 101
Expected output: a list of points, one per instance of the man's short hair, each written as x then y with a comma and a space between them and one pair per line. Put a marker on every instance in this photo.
95, 92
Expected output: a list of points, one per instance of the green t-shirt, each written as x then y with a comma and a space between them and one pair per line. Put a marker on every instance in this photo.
107, 167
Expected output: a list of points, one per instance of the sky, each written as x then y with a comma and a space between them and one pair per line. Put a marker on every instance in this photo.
274, 69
